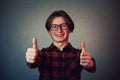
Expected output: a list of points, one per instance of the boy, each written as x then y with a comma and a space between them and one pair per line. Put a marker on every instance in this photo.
60, 61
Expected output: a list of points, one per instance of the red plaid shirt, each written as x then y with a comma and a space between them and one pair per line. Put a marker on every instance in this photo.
54, 64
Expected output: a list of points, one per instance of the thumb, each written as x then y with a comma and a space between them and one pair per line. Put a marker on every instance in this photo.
83, 46
34, 42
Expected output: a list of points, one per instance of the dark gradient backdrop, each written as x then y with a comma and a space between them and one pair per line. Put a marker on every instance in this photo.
96, 23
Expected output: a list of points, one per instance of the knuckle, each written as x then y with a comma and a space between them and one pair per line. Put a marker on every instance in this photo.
28, 49
27, 53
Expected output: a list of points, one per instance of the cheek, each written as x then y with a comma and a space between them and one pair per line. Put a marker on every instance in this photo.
51, 34
67, 32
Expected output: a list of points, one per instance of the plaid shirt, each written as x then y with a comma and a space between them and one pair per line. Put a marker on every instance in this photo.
54, 64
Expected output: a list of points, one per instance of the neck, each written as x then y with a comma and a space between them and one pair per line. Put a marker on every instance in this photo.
60, 45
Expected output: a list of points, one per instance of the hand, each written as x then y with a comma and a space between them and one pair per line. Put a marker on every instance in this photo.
32, 53
85, 57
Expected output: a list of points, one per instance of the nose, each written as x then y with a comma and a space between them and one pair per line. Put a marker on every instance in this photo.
59, 29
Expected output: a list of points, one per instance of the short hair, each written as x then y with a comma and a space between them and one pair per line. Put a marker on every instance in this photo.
63, 14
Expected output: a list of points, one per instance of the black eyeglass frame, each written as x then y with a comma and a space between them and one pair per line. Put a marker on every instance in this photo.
62, 26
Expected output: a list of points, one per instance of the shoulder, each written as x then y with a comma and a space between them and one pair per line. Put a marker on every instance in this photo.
75, 50
44, 49
47, 49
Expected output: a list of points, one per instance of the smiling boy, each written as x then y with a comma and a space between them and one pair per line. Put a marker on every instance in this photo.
60, 61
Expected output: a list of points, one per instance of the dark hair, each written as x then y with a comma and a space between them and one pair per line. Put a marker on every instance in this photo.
63, 14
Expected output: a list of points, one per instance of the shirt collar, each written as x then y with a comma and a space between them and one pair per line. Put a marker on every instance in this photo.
68, 48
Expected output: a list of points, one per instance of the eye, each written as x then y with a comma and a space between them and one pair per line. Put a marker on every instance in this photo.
54, 27
64, 26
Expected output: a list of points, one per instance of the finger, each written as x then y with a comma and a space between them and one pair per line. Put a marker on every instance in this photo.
31, 50
83, 46
85, 61
85, 64
85, 58
86, 54
31, 54
30, 60
34, 41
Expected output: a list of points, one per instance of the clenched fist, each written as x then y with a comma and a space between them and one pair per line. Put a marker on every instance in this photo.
32, 53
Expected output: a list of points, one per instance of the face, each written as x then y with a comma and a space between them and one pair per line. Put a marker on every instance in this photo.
59, 32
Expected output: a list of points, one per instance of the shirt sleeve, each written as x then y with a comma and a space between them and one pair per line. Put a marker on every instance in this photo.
31, 65
92, 69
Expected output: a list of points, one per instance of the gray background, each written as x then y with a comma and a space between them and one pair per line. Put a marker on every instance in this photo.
96, 23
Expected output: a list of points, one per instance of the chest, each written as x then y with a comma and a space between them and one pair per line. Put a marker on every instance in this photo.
61, 59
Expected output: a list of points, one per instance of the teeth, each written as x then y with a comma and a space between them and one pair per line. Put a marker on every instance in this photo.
59, 35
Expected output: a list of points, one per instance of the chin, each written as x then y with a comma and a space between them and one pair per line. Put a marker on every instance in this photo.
59, 41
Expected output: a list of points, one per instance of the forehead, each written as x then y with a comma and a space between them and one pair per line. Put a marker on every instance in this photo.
58, 20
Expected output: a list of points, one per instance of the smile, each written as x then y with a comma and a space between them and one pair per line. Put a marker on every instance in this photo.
59, 35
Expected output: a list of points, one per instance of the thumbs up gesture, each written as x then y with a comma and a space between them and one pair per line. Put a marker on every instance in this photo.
32, 53
85, 57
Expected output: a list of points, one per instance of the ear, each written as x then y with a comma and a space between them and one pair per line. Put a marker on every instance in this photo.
70, 31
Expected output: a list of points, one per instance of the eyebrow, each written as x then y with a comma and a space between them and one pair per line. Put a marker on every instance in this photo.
58, 24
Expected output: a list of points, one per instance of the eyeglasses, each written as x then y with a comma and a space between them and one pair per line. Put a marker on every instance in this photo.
62, 26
